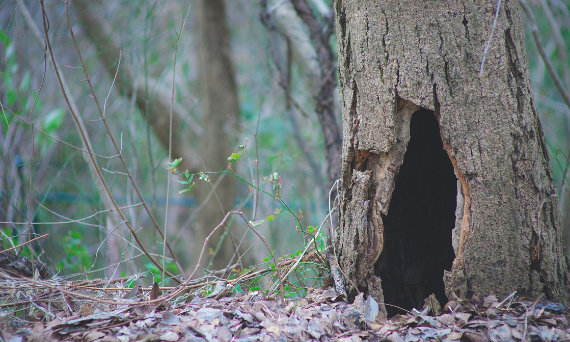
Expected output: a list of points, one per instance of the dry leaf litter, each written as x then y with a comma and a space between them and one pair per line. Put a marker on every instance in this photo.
39, 307
320, 316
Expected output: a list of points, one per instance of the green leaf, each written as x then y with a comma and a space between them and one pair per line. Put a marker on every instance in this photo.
4, 38
52, 121
234, 156
11, 97
175, 162
188, 181
10, 52
187, 189
25, 82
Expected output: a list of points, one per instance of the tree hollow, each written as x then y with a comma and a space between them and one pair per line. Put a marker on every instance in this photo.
421, 217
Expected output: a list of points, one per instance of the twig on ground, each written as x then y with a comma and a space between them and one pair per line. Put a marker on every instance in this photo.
509, 298
277, 268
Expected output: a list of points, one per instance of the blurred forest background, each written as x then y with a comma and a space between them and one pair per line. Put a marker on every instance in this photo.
242, 81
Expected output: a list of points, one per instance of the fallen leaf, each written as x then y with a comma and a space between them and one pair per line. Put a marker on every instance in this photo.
92, 336
490, 300
244, 316
462, 318
450, 306
169, 336
370, 309
316, 328
86, 309
247, 332
547, 321
133, 293
472, 336
224, 334
220, 287
271, 327
432, 304
169, 318
208, 314
447, 320
155, 291
454, 336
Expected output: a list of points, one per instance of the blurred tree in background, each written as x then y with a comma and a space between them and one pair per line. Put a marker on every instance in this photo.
145, 60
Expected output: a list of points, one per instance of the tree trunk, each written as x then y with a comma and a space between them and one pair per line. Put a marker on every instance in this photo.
565, 209
324, 92
220, 110
308, 36
446, 186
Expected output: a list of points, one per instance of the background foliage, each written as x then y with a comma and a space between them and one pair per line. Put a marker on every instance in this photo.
44, 186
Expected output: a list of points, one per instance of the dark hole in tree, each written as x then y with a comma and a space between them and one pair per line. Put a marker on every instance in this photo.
417, 229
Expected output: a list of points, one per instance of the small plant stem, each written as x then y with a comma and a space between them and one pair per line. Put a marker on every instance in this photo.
278, 199
114, 142
24, 243
292, 268
83, 134
277, 268
223, 236
179, 35
79, 122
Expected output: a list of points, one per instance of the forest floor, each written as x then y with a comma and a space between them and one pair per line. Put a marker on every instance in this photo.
36, 309
320, 316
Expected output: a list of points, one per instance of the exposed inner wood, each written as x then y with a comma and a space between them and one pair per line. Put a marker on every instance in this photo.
459, 262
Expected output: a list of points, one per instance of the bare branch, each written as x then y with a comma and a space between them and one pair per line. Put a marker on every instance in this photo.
127, 80
86, 140
83, 133
557, 35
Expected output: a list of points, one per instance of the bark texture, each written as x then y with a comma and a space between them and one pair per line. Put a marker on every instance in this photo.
220, 108
397, 58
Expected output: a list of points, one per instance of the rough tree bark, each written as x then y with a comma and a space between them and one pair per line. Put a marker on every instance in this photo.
444, 168
220, 109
